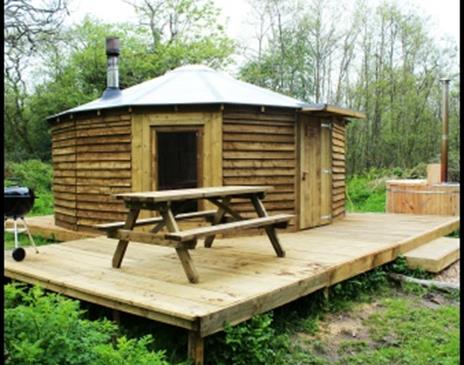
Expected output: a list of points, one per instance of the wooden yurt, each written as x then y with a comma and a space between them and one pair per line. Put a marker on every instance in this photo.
194, 127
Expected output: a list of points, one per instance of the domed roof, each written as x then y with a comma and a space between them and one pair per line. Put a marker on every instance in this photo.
191, 84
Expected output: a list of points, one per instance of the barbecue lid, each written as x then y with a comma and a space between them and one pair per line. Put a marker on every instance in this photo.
18, 192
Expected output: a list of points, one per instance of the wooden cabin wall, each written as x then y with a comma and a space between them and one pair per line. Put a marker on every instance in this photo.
338, 168
259, 148
64, 173
91, 161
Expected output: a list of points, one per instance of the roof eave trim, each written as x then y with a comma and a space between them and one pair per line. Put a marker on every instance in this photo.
333, 109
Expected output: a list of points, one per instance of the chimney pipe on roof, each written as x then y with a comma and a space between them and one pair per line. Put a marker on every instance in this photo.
444, 139
112, 71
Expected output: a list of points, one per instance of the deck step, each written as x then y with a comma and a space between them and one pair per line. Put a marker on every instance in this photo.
435, 255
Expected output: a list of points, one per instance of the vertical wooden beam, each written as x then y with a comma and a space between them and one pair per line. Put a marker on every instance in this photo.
326, 293
196, 348
122, 244
116, 316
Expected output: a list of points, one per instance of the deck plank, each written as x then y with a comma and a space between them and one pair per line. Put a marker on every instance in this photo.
240, 276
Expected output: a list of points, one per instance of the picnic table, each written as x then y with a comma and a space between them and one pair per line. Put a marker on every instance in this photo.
224, 219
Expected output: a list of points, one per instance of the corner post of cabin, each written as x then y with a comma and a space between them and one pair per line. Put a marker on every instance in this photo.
196, 347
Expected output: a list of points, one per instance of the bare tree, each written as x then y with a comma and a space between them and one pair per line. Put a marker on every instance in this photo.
169, 20
27, 25
27, 22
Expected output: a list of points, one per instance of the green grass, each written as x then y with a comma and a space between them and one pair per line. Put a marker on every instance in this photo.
402, 329
24, 240
405, 333
365, 194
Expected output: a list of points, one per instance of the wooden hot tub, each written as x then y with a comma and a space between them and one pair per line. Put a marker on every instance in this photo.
420, 197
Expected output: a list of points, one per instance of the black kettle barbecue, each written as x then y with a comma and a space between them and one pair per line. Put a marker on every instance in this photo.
18, 201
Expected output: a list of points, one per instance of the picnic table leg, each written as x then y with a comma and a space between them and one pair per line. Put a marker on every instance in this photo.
216, 220
270, 230
122, 244
182, 253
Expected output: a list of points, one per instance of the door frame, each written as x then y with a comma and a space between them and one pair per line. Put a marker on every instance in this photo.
154, 139
141, 146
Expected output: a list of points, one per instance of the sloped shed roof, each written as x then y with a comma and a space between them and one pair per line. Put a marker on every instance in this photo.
192, 84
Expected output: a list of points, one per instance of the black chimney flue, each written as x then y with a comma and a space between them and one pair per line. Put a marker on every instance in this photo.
112, 71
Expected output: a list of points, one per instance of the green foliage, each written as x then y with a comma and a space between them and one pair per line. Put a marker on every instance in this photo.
455, 234
254, 342
360, 287
129, 352
73, 70
400, 266
286, 66
34, 174
48, 329
367, 192
381, 59
44, 328
31, 173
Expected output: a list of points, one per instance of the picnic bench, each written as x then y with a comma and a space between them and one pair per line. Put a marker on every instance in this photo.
224, 219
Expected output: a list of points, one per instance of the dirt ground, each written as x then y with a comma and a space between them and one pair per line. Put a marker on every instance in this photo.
450, 274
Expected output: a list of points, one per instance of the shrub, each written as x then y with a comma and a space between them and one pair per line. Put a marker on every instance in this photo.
34, 174
44, 328
253, 342
129, 352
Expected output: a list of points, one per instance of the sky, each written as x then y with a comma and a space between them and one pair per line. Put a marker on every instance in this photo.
444, 14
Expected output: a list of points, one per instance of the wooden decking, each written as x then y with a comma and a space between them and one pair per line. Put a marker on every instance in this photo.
45, 226
240, 276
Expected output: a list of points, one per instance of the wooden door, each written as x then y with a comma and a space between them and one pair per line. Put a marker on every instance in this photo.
315, 207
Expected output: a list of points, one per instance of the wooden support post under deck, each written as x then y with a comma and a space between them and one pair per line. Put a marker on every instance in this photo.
326, 294
116, 316
122, 244
196, 348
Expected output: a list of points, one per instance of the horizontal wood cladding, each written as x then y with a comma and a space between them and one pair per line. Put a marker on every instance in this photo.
259, 148
64, 179
338, 168
91, 162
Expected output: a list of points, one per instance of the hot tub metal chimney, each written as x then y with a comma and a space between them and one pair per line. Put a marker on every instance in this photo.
112, 71
444, 138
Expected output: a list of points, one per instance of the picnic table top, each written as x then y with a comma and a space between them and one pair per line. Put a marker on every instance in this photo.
195, 193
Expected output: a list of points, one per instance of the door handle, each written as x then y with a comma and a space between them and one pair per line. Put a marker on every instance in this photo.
304, 173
